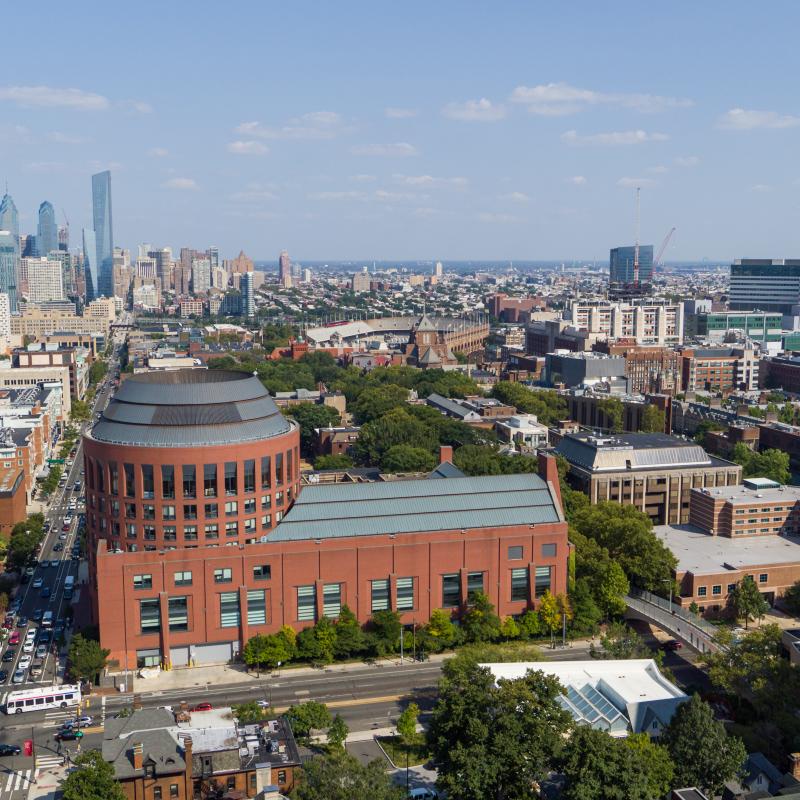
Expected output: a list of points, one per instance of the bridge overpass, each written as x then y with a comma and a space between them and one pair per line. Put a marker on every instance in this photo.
684, 626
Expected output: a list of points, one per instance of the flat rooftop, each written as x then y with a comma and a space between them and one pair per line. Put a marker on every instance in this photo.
703, 554
742, 496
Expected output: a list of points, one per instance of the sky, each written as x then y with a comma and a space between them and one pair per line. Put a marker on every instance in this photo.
415, 130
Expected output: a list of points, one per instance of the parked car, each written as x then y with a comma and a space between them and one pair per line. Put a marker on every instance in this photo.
41, 650
423, 793
24, 662
22, 622
55, 562
202, 707
9, 655
45, 593
28, 646
14, 638
84, 721
19, 676
9, 750
3, 675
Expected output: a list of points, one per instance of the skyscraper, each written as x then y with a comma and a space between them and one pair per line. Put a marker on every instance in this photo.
90, 263
47, 230
9, 218
285, 269
9, 266
201, 275
248, 295
45, 280
622, 261
103, 232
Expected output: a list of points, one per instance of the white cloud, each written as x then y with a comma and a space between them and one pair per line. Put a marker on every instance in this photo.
336, 195
158, 152
254, 193
400, 113
577, 180
612, 138
137, 107
398, 197
492, 217
397, 149
363, 178
516, 197
741, 119
559, 99
686, 161
46, 166
761, 187
314, 125
482, 110
49, 97
633, 183
660, 169
62, 138
247, 148
431, 181
183, 184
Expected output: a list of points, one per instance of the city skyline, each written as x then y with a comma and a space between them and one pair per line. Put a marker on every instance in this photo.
514, 135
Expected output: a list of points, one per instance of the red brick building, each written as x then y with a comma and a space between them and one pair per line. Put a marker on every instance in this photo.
165, 592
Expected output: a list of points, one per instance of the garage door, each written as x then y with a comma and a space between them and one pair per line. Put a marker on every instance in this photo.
211, 653
179, 656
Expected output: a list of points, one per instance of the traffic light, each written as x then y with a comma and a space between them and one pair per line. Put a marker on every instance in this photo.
28, 749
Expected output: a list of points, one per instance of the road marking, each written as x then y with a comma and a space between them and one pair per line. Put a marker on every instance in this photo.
302, 692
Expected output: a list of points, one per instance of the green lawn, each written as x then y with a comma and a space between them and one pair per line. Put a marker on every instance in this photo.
396, 750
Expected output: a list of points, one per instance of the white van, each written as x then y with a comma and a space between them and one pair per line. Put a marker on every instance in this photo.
47, 619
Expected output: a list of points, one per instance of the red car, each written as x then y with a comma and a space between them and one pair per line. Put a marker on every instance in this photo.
14, 638
671, 644
202, 707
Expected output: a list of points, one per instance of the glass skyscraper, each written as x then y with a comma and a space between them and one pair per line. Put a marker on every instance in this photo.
47, 231
9, 260
9, 218
621, 262
90, 263
103, 231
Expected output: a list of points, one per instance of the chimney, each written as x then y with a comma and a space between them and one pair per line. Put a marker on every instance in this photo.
187, 757
548, 472
794, 761
137, 702
137, 755
446, 454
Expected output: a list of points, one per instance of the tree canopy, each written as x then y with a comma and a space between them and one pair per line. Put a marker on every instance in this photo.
310, 416
93, 779
747, 601
771, 463
340, 776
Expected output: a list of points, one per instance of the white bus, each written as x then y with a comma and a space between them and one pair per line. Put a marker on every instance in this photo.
40, 699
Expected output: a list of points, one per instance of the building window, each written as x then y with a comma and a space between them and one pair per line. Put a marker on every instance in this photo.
266, 477
262, 572
731, 587
281, 776
209, 480
190, 532
250, 475
307, 603
763, 577
266, 521
266, 502
189, 481
130, 485
178, 614
256, 607
289, 467
249, 506
701, 591
156, 792
223, 575
142, 581
474, 585
113, 474
130, 510
148, 482
183, 578
515, 553
229, 616
380, 595
279, 469
331, 600
148, 511
147, 658
451, 590
231, 480
543, 582
168, 512
100, 484
190, 511
250, 525
149, 616
231, 508
211, 511
405, 594
716, 589
170, 533
167, 481
548, 551
130, 530
149, 532
232, 528
520, 580
173, 789
212, 531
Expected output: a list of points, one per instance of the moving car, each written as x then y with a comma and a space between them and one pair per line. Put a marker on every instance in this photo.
671, 644
58, 547
22, 622
45, 593
69, 734
37, 615
83, 721
37, 584
9, 750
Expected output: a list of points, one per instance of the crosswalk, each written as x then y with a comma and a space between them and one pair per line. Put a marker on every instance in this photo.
15, 781
49, 762
57, 717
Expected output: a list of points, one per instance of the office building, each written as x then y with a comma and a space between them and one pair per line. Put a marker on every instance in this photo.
765, 284
5, 321
163, 259
248, 295
241, 264
182, 463
285, 270
45, 279
586, 369
650, 471
201, 275
47, 229
359, 283
621, 263
719, 325
38, 322
103, 230
90, 265
719, 369
9, 218
437, 269
9, 268
63, 237
650, 369
640, 322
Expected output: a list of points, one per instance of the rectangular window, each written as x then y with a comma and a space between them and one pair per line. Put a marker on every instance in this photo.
289, 467
231, 508
266, 472
266, 521
223, 575
209, 480
148, 511
451, 590
716, 589
231, 479
168, 512
113, 478
190, 533
279, 469
130, 485
189, 481
548, 551
520, 584
250, 506
232, 528
173, 790
331, 600
250, 525
212, 531
167, 481
763, 577
130, 530
405, 594
190, 511
178, 613
130, 510
380, 595
731, 587
157, 793
100, 481
170, 533
149, 532
266, 502
262, 572
515, 553
474, 585
142, 581
148, 482
543, 581
211, 511
183, 578
149, 616
250, 475
229, 616
701, 591
256, 607
307, 603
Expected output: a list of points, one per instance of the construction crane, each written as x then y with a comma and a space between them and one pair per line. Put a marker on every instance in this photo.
661, 250
636, 243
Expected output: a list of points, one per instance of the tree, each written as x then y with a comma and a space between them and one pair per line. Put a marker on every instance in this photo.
249, 713
404, 458
339, 776
375, 401
266, 652
494, 739
653, 420
613, 412
549, 615
480, 623
440, 632
549, 406
80, 411
655, 760
747, 601
350, 639
337, 733
587, 614
770, 463
307, 716
611, 590
791, 599
620, 641
407, 725
384, 632
510, 629
310, 416
318, 643
333, 461
86, 657
701, 750
92, 780
394, 427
